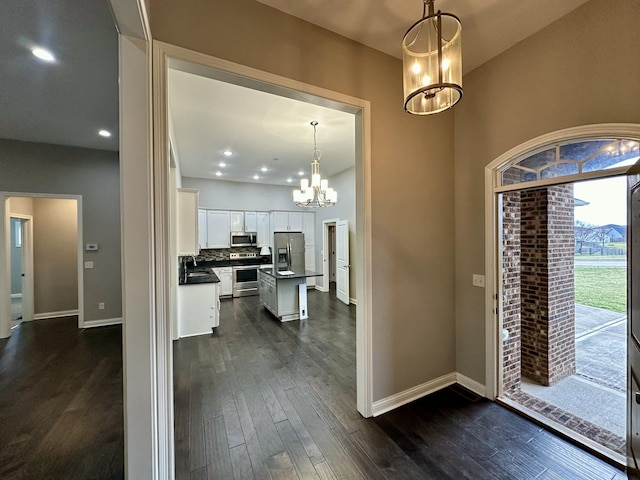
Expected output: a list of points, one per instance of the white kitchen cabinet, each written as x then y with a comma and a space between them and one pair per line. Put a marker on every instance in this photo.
187, 212
262, 227
225, 275
198, 309
242, 221
236, 221
202, 228
250, 222
309, 228
218, 229
286, 221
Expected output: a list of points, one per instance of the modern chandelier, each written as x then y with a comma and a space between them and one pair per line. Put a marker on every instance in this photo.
432, 62
318, 193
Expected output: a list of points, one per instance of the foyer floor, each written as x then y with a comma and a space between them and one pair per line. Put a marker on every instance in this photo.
264, 399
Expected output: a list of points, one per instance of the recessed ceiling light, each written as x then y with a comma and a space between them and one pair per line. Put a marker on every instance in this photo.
104, 133
218, 173
300, 173
227, 153
256, 177
264, 169
289, 180
43, 54
222, 164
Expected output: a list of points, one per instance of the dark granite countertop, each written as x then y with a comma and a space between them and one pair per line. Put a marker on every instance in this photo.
279, 276
198, 276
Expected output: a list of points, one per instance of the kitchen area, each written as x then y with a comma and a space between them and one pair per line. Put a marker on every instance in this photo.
226, 255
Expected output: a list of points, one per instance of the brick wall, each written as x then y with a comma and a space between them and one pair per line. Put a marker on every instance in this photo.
511, 290
546, 284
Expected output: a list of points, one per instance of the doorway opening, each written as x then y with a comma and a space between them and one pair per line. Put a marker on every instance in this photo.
544, 334
43, 277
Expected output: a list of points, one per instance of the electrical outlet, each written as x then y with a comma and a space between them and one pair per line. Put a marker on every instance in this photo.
88, 264
478, 280
101, 306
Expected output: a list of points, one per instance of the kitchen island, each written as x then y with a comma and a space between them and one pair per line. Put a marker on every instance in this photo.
285, 294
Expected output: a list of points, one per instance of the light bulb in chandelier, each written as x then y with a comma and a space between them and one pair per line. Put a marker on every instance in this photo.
315, 193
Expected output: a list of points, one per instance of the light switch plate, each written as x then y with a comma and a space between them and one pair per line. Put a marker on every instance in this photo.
478, 280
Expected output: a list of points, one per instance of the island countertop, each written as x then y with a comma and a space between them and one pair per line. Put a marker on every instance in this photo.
279, 276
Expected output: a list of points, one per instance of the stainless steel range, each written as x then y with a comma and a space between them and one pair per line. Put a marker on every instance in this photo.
245, 266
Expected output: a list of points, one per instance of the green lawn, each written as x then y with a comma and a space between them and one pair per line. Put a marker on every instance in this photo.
602, 287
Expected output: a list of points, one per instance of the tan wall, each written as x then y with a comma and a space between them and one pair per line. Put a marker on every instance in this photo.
412, 171
21, 205
55, 254
582, 69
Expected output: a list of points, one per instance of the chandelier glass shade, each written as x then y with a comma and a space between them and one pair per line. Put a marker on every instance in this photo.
316, 193
432, 62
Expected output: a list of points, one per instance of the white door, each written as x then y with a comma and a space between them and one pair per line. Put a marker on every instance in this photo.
633, 330
342, 261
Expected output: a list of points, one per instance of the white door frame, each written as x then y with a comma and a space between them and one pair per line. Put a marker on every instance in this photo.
165, 55
5, 256
27, 265
493, 275
325, 255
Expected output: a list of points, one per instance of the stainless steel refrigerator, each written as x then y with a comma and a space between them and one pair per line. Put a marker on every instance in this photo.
289, 251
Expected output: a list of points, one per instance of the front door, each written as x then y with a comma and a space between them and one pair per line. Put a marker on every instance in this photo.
633, 329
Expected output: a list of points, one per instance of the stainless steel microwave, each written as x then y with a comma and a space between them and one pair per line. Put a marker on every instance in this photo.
244, 239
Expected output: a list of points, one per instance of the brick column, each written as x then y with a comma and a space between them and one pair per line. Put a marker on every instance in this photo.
547, 284
511, 290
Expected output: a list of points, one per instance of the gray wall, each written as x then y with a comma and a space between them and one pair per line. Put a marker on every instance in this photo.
93, 174
583, 69
345, 184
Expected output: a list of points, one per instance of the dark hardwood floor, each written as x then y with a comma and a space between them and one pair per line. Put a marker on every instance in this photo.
61, 402
264, 399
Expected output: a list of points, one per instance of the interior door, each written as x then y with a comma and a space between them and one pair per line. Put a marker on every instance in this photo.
342, 261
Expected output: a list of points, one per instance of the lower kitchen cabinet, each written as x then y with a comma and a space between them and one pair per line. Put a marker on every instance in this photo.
198, 309
225, 275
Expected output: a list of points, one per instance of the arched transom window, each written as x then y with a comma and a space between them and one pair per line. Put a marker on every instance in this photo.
571, 158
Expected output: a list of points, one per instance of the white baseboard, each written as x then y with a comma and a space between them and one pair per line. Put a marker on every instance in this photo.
16, 295
470, 384
62, 313
321, 289
104, 322
352, 301
427, 388
414, 393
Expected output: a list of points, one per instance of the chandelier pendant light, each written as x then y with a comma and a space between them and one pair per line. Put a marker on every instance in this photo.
317, 193
432, 62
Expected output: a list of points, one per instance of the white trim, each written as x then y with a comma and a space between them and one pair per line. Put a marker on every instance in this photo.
16, 295
414, 393
493, 352
205, 65
61, 313
470, 384
103, 322
321, 288
352, 301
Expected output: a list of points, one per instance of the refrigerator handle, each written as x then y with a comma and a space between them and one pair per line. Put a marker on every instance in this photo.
289, 254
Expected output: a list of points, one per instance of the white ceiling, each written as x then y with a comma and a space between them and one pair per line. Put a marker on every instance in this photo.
68, 101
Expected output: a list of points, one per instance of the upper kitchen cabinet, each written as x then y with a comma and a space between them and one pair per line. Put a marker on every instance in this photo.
262, 227
243, 221
218, 231
202, 228
187, 212
286, 221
